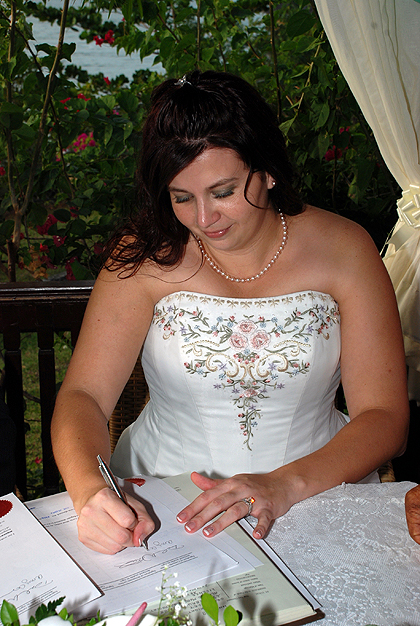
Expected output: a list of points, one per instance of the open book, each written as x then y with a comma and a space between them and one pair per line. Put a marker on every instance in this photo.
233, 567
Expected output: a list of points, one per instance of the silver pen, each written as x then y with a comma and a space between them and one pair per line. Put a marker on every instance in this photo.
112, 483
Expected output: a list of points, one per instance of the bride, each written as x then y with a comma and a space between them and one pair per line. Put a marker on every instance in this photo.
250, 307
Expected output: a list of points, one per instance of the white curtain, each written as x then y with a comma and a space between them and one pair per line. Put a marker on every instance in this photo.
377, 46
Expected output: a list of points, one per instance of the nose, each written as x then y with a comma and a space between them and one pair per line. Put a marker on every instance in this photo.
206, 215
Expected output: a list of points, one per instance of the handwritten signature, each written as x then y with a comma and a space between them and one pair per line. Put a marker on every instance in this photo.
150, 555
26, 586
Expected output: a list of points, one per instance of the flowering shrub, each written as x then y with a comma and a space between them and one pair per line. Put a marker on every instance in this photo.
74, 138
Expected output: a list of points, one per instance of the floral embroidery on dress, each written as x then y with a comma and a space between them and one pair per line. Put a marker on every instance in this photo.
249, 355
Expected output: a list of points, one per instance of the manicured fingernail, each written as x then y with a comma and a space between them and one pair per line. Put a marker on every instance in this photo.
181, 517
190, 526
208, 531
258, 533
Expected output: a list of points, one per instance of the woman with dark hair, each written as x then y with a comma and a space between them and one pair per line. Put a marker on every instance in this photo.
250, 306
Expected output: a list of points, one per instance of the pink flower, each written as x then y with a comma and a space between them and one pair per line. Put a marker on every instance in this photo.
81, 96
248, 393
238, 341
107, 81
333, 153
43, 230
2, 171
47, 261
109, 37
38, 460
58, 241
260, 339
98, 40
246, 327
70, 275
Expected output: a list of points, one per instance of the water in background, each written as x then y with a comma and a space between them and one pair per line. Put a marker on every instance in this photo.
90, 57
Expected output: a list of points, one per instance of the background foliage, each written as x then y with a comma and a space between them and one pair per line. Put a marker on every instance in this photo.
69, 141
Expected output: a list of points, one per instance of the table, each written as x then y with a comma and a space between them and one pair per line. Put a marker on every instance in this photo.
351, 548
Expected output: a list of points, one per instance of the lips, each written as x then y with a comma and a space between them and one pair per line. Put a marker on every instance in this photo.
216, 234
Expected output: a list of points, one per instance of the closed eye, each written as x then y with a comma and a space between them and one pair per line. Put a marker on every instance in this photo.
223, 194
181, 199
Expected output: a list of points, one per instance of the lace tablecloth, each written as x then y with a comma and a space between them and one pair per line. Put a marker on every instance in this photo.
351, 548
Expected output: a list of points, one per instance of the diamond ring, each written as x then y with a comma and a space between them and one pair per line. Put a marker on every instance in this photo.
249, 502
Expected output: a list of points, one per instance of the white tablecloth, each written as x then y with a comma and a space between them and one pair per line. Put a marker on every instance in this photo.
351, 548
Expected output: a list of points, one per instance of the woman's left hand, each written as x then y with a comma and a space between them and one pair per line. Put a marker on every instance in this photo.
269, 495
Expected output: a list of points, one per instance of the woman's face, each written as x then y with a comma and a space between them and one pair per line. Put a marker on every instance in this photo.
208, 198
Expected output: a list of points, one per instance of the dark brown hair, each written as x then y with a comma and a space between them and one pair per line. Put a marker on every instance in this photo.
204, 110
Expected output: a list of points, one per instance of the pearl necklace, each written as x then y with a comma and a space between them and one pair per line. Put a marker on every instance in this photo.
217, 269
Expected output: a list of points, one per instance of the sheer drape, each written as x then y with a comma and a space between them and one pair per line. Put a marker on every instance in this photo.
377, 46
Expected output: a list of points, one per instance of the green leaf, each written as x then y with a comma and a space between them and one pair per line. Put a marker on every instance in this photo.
63, 215
207, 53
109, 102
80, 272
8, 614
6, 69
128, 101
11, 116
26, 132
285, 126
323, 144
231, 616
127, 11
67, 50
323, 115
209, 604
128, 129
109, 129
77, 228
47, 611
300, 23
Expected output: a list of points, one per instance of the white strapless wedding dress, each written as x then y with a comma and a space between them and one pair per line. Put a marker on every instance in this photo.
236, 385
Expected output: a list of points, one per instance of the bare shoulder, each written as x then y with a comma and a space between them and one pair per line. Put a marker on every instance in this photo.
342, 252
336, 229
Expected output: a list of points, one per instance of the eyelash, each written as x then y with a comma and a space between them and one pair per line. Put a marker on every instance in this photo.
217, 195
181, 200
224, 194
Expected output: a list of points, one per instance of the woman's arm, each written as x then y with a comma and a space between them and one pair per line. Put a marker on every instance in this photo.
374, 381
412, 510
116, 321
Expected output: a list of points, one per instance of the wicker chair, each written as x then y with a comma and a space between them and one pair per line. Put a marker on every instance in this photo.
130, 404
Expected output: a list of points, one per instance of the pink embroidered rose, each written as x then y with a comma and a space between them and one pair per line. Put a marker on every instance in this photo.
238, 341
246, 327
248, 393
260, 339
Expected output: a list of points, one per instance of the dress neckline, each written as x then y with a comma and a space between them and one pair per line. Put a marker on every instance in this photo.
303, 293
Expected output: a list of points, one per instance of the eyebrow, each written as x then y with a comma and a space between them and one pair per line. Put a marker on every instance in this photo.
219, 183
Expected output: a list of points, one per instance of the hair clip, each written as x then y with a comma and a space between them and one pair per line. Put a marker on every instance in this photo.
183, 81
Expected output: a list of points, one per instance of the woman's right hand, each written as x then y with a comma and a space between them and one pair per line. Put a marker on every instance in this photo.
108, 525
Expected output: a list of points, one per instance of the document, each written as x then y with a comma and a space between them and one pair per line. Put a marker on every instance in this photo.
232, 566
34, 569
132, 576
